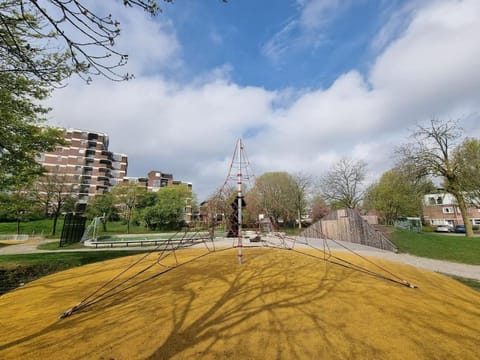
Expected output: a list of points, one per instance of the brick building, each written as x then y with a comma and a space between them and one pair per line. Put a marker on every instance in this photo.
87, 164
155, 180
442, 209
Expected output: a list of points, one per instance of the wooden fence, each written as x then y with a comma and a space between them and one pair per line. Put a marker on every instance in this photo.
347, 225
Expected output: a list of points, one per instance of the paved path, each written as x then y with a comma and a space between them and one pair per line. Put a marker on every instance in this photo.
463, 270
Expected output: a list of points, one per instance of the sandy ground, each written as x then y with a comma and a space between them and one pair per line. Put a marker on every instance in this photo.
279, 304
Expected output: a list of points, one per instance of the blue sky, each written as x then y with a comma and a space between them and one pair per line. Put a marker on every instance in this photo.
305, 82
267, 45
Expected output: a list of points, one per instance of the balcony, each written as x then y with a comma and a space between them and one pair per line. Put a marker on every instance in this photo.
106, 161
92, 136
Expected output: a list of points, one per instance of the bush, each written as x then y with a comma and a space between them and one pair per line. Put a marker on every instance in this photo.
428, 228
475, 227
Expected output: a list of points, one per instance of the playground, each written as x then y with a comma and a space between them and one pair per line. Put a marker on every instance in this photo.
277, 304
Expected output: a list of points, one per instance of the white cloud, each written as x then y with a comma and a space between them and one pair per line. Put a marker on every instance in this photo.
190, 129
317, 13
304, 29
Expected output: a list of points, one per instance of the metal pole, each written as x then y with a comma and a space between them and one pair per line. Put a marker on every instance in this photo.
239, 201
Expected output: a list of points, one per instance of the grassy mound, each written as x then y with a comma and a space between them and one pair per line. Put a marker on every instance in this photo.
278, 304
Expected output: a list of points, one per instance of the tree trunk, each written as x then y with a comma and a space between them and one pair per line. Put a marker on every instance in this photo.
54, 229
463, 210
18, 226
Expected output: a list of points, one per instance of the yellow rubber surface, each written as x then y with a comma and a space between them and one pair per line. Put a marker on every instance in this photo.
278, 305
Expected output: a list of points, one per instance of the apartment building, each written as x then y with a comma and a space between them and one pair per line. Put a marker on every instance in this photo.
87, 164
155, 180
441, 209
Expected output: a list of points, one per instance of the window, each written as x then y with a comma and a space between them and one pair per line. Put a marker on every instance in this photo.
59, 158
447, 210
431, 201
439, 200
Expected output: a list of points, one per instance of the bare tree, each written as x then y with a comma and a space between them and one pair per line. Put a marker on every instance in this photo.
126, 197
301, 188
51, 39
431, 153
319, 207
55, 192
343, 185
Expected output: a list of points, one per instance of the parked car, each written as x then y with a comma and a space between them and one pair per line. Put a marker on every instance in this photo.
460, 229
443, 228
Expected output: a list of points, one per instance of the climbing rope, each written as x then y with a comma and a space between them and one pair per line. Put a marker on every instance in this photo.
166, 249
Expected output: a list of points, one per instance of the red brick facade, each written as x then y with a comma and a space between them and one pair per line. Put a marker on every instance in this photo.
89, 167
441, 209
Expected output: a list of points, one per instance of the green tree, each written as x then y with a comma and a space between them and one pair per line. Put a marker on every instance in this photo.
301, 189
467, 156
21, 138
397, 194
278, 196
432, 153
41, 44
169, 210
126, 197
18, 205
343, 185
55, 191
102, 206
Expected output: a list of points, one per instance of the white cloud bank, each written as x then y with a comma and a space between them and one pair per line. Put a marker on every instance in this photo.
191, 129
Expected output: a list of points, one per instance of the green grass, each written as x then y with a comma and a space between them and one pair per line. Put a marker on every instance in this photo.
55, 245
437, 246
119, 227
22, 268
44, 227
37, 227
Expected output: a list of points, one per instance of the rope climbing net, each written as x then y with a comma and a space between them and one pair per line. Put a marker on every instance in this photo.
225, 219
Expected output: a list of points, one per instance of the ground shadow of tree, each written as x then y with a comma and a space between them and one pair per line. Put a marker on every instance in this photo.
249, 293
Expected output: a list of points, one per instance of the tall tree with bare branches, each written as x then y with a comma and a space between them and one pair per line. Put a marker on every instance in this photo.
431, 153
343, 185
50, 40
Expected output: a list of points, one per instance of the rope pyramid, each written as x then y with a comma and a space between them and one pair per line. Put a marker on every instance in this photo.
224, 217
